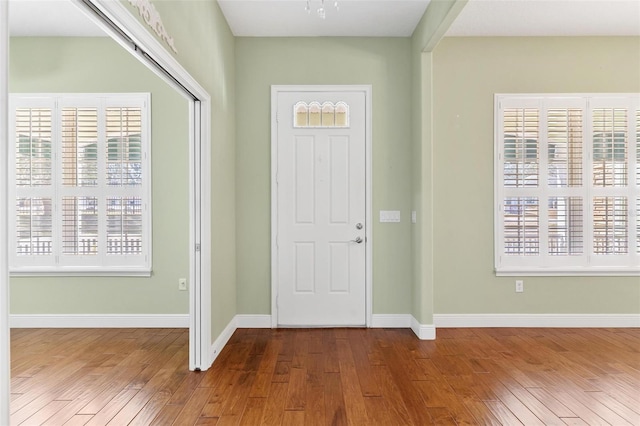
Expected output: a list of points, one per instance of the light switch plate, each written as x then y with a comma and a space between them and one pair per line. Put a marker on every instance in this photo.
414, 217
390, 216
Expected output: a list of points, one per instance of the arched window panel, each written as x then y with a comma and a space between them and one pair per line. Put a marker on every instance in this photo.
325, 115
301, 114
315, 114
328, 114
342, 114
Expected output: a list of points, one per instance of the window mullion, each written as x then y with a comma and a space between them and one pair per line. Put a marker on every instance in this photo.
101, 190
588, 183
543, 184
56, 231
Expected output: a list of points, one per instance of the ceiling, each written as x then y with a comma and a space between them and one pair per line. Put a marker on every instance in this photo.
285, 18
376, 18
46, 18
548, 18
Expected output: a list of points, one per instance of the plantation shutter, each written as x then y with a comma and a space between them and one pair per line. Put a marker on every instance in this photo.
124, 177
81, 175
32, 169
567, 184
520, 218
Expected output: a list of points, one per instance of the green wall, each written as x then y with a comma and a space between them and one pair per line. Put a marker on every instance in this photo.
428, 33
206, 49
383, 63
467, 74
67, 65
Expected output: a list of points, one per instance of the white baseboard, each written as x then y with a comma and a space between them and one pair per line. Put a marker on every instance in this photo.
423, 331
99, 321
391, 321
537, 320
222, 340
253, 321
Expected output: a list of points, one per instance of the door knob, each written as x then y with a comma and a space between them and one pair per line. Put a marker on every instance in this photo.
358, 240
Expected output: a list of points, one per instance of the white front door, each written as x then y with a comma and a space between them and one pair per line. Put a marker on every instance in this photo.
321, 209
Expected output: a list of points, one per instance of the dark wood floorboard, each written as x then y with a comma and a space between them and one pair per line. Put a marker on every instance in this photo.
501, 376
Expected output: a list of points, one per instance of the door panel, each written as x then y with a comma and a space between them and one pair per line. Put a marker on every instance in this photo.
321, 210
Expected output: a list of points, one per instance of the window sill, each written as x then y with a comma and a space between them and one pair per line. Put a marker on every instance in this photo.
592, 272
80, 273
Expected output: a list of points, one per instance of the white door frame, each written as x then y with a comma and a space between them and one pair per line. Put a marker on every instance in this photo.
131, 34
5, 372
275, 90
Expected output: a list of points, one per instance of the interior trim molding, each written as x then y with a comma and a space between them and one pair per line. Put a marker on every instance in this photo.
423, 331
222, 340
99, 321
391, 321
253, 321
537, 320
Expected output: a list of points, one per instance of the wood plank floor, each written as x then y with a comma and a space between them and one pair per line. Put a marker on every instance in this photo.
328, 377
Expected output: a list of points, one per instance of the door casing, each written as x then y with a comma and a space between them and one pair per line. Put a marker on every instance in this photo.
367, 90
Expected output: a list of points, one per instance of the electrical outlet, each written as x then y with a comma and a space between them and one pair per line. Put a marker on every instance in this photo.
182, 284
519, 286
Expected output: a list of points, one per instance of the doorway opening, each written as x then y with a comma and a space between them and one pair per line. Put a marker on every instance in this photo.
115, 20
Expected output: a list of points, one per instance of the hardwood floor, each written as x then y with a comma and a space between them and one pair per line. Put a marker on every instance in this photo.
328, 377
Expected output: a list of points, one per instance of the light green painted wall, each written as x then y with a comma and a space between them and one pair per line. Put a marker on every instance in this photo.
206, 50
383, 63
467, 73
65, 65
429, 31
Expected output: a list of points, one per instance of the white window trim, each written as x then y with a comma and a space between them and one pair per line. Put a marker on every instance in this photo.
121, 265
629, 265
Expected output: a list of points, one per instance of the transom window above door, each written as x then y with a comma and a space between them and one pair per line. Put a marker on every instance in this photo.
315, 114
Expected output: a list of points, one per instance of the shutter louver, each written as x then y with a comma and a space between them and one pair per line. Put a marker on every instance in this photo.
124, 149
33, 147
638, 148
564, 127
565, 226
33, 174
521, 227
124, 225
609, 147
80, 226
521, 147
610, 235
33, 226
79, 147
638, 225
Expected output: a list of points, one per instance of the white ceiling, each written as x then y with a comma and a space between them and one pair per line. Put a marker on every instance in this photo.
548, 18
392, 18
286, 18
43, 18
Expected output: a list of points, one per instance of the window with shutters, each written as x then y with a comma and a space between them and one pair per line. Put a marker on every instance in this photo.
81, 189
567, 184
